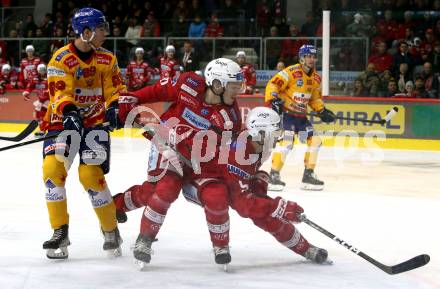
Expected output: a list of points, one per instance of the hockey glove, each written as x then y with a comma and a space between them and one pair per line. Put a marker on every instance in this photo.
327, 115
259, 183
277, 105
111, 115
287, 211
72, 121
126, 103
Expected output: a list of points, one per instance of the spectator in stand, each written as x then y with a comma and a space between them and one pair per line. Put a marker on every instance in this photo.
28, 66
42, 47
189, 59
145, 11
357, 28
409, 91
402, 56
2, 57
250, 76
382, 60
263, 15
151, 27
417, 51
29, 24
429, 40
196, 28
280, 66
13, 48
180, 26
56, 44
402, 77
342, 59
273, 48
214, 29
169, 67
370, 80
408, 23
59, 22
196, 9
420, 88
46, 25
391, 88
228, 15
385, 78
283, 28
181, 10
424, 24
120, 52
290, 47
133, 32
409, 35
437, 29
139, 72
310, 26
434, 57
9, 79
387, 27
431, 80
359, 89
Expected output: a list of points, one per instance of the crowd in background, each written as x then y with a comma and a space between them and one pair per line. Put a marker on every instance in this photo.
404, 35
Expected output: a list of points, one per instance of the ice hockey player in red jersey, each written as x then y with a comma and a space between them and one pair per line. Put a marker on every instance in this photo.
197, 104
139, 72
39, 85
169, 66
28, 66
9, 79
250, 76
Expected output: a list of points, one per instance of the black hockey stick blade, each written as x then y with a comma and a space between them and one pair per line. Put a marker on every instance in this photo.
22, 135
410, 264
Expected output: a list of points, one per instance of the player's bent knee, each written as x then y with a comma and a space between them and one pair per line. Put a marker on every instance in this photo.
91, 177
54, 170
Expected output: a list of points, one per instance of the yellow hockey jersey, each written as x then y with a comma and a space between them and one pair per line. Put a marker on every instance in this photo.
297, 89
91, 86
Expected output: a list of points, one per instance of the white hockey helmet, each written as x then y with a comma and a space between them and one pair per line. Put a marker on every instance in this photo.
262, 119
41, 68
170, 48
240, 53
30, 48
6, 68
224, 70
139, 50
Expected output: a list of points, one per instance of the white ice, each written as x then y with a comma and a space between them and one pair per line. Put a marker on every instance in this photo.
389, 209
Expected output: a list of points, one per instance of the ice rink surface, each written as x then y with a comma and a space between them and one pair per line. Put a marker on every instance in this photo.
386, 203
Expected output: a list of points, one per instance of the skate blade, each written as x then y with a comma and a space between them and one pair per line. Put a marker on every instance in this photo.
142, 266
310, 187
275, 188
114, 253
224, 267
327, 262
60, 253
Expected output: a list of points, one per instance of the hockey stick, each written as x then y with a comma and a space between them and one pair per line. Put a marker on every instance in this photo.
22, 135
387, 118
38, 139
410, 264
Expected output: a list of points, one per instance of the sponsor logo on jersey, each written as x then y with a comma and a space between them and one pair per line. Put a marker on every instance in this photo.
188, 89
283, 74
309, 82
299, 82
98, 199
301, 97
86, 72
297, 74
192, 82
239, 172
195, 120
71, 61
188, 100
204, 111
103, 59
87, 95
317, 78
62, 54
54, 71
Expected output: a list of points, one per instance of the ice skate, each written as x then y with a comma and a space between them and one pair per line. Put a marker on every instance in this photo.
112, 243
311, 182
275, 182
56, 247
222, 257
317, 255
142, 251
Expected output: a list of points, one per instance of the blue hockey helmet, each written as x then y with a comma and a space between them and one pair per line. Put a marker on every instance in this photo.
88, 18
307, 49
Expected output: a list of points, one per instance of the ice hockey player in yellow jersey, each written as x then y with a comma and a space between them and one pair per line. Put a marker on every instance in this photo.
84, 84
289, 92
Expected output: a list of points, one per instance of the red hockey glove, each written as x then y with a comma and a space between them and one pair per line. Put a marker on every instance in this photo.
259, 183
126, 104
287, 210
